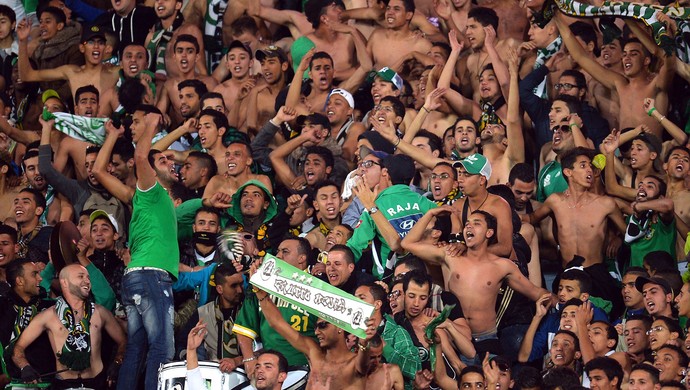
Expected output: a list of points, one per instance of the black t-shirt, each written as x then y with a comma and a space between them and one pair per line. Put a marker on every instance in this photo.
133, 28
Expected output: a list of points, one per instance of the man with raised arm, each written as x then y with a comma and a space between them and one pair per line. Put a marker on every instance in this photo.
482, 273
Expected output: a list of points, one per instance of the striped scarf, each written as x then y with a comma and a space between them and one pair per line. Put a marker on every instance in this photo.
542, 56
643, 12
76, 353
91, 130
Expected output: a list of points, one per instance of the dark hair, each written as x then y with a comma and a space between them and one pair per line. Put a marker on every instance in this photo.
314, 9
349, 256
610, 366
645, 52
323, 184
527, 377
282, 361
29, 154
568, 159
469, 370
611, 333
398, 106
241, 142
377, 292
148, 109
435, 143
413, 263
506, 193
673, 149
223, 270
639, 271
573, 103
124, 149
303, 245
210, 210
189, 38
571, 334
178, 191
219, 119
244, 23
92, 149
491, 223
659, 261
583, 279
212, 95
38, 196
682, 356
152, 157
320, 55
646, 320
570, 302
131, 94
662, 184
442, 45
449, 165
14, 269
649, 369
485, 16
521, 171
675, 384
322, 152
206, 160
586, 32
198, 85
467, 119
57, 13
560, 378
672, 324
418, 277
580, 79
10, 231
9, 12
86, 89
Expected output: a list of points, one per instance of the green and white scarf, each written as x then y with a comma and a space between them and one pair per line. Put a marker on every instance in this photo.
76, 353
642, 12
542, 56
91, 130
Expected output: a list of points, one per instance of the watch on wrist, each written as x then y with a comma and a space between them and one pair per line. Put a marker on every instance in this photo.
373, 210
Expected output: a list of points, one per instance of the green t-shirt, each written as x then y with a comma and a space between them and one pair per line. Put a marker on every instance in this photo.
659, 237
251, 322
551, 181
153, 231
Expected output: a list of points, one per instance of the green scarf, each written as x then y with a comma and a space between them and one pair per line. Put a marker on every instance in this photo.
76, 353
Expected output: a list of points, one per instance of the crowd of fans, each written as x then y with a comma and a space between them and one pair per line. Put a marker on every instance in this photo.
419, 155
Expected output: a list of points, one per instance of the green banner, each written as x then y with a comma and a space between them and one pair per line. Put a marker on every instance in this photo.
313, 295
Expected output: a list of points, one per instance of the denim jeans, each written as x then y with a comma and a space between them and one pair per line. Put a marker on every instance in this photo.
148, 300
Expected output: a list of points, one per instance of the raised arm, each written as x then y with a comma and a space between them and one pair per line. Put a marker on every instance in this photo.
613, 188
413, 240
387, 231
449, 67
607, 78
676, 132
26, 71
388, 132
146, 176
431, 103
528, 340
111, 183
515, 151
21, 136
189, 126
500, 68
283, 172
664, 206
365, 62
668, 63
295, 89
295, 21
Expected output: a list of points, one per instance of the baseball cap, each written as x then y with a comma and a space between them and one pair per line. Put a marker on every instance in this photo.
642, 280
101, 213
388, 74
345, 94
271, 51
365, 151
476, 164
400, 168
51, 93
92, 32
238, 44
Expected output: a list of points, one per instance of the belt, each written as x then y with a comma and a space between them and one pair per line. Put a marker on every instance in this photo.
133, 269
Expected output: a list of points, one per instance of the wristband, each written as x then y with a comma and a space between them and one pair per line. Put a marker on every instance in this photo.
426, 109
661, 118
573, 124
247, 360
651, 110
397, 143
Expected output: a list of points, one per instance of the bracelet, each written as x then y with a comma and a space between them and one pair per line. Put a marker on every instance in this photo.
264, 298
573, 124
397, 143
426, 109
662, 118
363, 347
247, 360
651, 110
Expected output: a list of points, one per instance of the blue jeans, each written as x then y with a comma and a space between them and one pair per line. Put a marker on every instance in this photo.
148, 300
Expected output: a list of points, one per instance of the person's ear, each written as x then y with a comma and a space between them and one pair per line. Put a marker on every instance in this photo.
329, 170
351, 267
584, 297
578, 355
116, 236
284, 66
60, 26
610, 343
489, 233
281, 377
39, 211
222, 131
4, 169
309, 212
398, 120
219, 289
178, 5
674, 336
266, 204
436, 153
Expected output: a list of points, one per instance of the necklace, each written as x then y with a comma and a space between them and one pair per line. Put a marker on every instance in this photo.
480, 206
480, 66
577, 203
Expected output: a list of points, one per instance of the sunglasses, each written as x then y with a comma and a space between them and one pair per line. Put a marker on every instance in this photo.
561, 128
565, 86
247, 236
321, 325
394, 295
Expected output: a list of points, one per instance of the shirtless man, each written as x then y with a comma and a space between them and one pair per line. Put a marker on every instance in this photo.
73, 318
382, 376
186, 55
482, 273
677, 166
332, 365
608, 101
387, 44
238, 162
512, 18
635, 84
93, 72
133, 64
261, 107
579, 214
470, 67
235, 90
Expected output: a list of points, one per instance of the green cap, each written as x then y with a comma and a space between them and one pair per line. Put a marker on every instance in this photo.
477, 164
388, 74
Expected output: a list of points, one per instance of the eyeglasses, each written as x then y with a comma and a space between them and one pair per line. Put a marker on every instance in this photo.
655, 329
321, 325
247, 236
561, 128
383, 108
368, 164
395, 294
565, 86
443, 176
